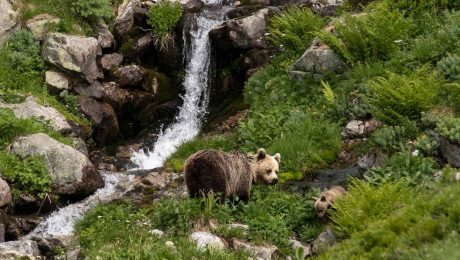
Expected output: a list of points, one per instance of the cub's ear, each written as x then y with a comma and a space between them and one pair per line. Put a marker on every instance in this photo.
277, 157
261, 153
314, 198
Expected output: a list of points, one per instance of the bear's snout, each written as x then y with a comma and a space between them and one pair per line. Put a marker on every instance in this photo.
274, 181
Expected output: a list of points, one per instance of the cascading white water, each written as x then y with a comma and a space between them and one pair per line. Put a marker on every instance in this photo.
195, 101
61, 223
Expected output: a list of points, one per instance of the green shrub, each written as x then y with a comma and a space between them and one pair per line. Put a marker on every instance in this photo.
163, 16
307, 143
416, 170
427, 145
391, 139
93, 10
374, 34
449, 127
450, 66
429, 218
365, 203
396, 96
293, 29
24, 53
220, 142
425, 5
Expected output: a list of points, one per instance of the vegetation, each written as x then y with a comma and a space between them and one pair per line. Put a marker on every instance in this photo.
93, 10
163, 17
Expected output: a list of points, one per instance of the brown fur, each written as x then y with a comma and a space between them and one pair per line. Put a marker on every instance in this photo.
229, 173
327, 199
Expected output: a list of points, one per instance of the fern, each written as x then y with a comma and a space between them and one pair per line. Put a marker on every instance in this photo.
327, 92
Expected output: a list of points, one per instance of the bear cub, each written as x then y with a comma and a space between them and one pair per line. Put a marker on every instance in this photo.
229, 174
327, 199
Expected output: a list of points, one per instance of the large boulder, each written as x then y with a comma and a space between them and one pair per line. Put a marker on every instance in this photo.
103, 116
5, 193
129, 76
125, 16
20, 249
319, 59
9, 17
30, 108
242, 33
104, 37
111, 61
39, 24
71, 172
74, 54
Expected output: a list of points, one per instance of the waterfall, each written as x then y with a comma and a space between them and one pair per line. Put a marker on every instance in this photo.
195, 100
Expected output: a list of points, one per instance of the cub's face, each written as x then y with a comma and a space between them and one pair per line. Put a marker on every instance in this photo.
267, 167
321, 205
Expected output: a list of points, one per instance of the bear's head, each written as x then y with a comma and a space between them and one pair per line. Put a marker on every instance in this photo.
266, 167
322, 204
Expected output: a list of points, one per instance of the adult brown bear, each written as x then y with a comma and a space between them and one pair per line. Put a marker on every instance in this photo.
229, 174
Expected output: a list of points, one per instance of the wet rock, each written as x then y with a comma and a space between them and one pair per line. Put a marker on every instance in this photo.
354, 128
9, 18
326, 7
104, 37
80, 145
327, 178
19, 226
30, 108
319, 59
124, 21
153, 112
2, 232
129, 76
115, 96
193, 6
242, 33
260, 252
143, 43
57, 81
111, 61
371, 160
5, 193
24, 248
74, 54
39, 25
104, 118
449, 151
297, 245
205, 240
71, 171
324, 241
106, 167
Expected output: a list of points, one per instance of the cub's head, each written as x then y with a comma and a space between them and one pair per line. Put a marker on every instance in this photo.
267, 167
322, 204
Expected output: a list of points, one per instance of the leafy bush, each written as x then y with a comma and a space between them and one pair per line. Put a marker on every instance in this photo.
416, 170
93, 10
449, 127
307, 143
429, 218
425, 5
391, 139
24, 53
397, 96
293, 29
450, 66
163, 16
374, 34
365, 203
427, 145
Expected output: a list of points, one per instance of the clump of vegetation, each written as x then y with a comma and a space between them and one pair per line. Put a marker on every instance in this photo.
391, 139
449, 127
24, 53
163, 17
93, 10
293, 30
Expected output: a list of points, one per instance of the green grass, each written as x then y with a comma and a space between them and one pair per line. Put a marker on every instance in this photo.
175, 162
120, 230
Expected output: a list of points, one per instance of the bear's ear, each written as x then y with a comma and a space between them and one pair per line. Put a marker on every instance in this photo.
277, 157
261, 153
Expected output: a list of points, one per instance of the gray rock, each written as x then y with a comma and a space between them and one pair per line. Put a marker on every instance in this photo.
19, 249
354, 128
30, 108
205, 240
324, 241
125, 16
371, 160
193, 6
104, 37
320, 59
157, 232
5, 193
56, 80
111, 61
297, 245
103, 116
80, 145
243, 33
129, 76
9, 18
326, 7
267, 252
449, 151
39, 24
71, 171
74, 54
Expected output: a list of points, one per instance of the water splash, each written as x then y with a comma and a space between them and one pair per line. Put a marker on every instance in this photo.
188, 122
61, 223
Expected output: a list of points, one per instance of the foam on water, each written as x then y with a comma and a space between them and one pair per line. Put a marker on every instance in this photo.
195, 100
